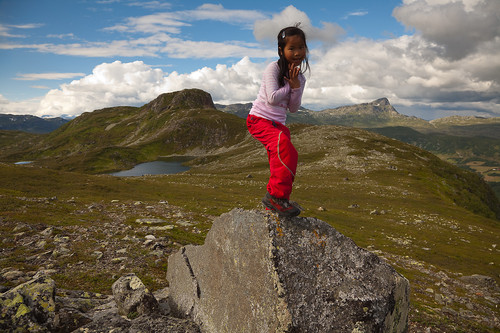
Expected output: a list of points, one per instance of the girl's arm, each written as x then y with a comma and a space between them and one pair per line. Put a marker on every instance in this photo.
274, 92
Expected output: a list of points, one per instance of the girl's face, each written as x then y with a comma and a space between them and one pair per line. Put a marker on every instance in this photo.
295, 50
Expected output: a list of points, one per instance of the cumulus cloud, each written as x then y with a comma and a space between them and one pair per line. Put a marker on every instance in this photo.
458, 26
267, 29
18, 107
137, 83
406, 70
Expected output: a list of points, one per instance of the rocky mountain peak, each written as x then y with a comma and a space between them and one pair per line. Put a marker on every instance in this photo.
184, 99
381, 102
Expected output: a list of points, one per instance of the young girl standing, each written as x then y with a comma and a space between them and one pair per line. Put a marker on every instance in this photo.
281, 90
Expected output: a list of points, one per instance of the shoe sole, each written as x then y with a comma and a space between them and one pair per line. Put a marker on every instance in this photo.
281, 213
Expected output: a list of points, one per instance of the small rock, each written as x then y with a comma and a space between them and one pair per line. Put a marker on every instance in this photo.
97, 254
249, 176
121, 251
321, 209
162, 228
47, 232
184, 223
13, 275
150, 221
41, 244
118, 260
374, 212
354, 206
132, 297
480, 280
151, 237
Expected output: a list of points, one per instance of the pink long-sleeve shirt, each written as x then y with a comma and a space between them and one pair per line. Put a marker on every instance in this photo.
273, 101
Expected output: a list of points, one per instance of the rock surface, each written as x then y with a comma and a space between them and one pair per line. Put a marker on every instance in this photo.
29, 306
132, 297
259, 273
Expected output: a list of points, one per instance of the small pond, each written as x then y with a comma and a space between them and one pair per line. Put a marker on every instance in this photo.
154, 168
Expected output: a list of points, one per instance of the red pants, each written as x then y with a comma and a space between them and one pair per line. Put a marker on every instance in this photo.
281, 153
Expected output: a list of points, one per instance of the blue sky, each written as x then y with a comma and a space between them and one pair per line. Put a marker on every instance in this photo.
431, 58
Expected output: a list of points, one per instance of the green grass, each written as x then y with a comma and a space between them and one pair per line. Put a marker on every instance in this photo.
435, 213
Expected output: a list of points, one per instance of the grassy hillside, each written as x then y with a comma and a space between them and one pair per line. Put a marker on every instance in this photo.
394, 199
120, 137
434, 222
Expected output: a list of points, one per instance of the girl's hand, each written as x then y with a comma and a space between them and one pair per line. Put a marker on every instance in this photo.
293, 76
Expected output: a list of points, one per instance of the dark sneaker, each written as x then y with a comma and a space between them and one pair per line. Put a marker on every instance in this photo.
281, 206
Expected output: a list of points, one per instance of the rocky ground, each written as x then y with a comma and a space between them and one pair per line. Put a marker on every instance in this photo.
125, 237
129, 237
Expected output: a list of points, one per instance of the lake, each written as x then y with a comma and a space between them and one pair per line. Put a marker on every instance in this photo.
153, 168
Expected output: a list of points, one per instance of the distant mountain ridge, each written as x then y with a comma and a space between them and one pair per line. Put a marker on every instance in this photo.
380, 113
30, 124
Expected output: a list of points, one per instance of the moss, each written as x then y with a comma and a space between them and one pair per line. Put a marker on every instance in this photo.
22, 310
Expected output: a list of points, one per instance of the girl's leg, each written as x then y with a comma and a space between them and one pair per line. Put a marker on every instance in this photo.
281, 153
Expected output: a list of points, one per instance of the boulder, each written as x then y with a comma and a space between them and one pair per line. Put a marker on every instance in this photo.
29, 307
132, 297
260, 273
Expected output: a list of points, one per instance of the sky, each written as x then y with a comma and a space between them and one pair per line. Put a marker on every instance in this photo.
430, 58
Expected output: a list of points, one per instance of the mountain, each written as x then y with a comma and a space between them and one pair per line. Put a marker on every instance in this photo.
379, 113
116, 138
31, 124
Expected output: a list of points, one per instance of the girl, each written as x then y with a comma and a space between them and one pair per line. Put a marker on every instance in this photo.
281, 90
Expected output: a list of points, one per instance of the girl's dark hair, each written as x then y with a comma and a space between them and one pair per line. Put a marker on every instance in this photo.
282, 62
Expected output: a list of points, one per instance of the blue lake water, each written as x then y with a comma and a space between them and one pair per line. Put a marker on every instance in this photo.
153, 168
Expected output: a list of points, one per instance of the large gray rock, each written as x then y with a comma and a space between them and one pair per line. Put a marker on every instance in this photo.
29, 307
259, 273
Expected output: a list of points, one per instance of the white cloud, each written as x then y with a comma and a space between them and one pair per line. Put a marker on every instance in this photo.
61, 36
18, 107
157, 45
151, 24
268, 29
46, 76
172, 22
458, 26
156, 5
136, 83
219, 13
5, 28
408, 71
357, 13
